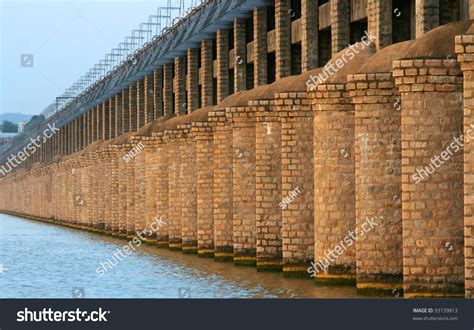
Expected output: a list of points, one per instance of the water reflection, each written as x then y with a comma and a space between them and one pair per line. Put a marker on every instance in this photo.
48, 261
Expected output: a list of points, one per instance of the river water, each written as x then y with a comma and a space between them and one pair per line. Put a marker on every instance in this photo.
41, 260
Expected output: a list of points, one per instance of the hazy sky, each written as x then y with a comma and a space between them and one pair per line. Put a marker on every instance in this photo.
65, 37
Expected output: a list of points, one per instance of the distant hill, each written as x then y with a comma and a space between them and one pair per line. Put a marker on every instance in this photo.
15, 117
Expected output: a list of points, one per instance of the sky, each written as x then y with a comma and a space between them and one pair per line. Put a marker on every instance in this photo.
65, 38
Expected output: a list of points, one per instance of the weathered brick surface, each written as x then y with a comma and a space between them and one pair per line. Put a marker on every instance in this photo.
192, 79
427, 12
114, 189
222, 187
174, 193
222, 42
161, 176
187, 188
168, 90
130, 179
340, 25
283, 38
378, 181
268, 187
158, 93
139, 185
297, 166
180, 105
122, 179
240, 60
243, 184
260, 46
207, 73
380, 17
202, 133
334, 189
432, 207
465, 50
309, 34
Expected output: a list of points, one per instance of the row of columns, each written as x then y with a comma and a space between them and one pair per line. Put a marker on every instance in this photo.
174, 89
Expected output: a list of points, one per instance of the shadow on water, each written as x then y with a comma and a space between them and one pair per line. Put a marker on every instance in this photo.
47, 261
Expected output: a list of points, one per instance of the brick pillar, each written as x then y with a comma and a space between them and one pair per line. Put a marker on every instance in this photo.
222, 43
283, 38
464, 48
151, 170
122, 179
340, 25
115, 189
130, 177
260, 46
193, 79
222, 187
427, 16
118, 115
125, 111
168, 90
202, 133
240, 52
94, 195
432, 177
88, 195
243, 185
132, 107
334, 208
189, 228
297, 190
309, 34
82, 135
63, 140
161, 161
140, 104
378, 183
87, 131
100, 186
180, 105
158, 93
139, 184
74, 140
105, 121
380, 22
207, 73
148, 99
268, 187
174, 192
93, 125
111, 120
66, 138
106, 189
99, 121
464, 9
70, 140
85, 126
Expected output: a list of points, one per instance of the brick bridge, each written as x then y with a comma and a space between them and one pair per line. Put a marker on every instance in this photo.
233, 133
